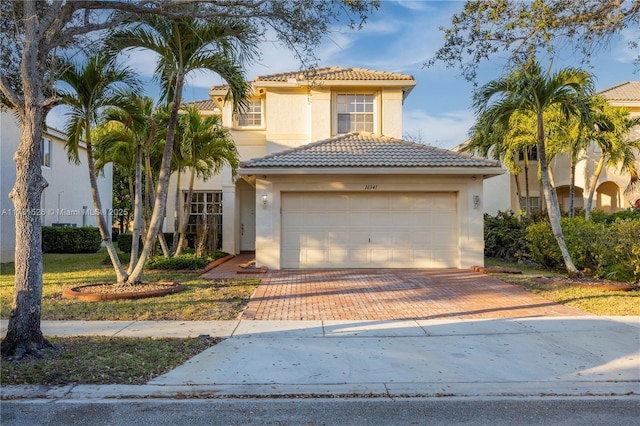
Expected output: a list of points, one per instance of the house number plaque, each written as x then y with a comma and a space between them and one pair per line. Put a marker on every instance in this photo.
370, 187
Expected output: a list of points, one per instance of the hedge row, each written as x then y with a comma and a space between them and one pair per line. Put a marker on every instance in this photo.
608, 245
610, 250
57, 239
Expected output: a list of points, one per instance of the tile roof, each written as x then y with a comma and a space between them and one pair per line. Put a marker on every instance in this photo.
203, 105
627, 91
334, 73
364, 149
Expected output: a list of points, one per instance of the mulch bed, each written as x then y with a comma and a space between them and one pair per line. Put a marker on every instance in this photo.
495, 270
97, 292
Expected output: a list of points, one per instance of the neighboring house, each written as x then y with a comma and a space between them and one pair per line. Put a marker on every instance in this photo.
66, 201
320, 187
610, 193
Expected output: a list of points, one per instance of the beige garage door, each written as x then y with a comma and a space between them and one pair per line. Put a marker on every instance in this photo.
370, 230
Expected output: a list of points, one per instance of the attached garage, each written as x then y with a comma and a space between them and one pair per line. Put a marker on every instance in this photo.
370, 230
367, 201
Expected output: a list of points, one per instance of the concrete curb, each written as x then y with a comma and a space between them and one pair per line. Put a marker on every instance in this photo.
371, 390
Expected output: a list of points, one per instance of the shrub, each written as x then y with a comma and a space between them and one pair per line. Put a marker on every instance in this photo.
619, 253
631, 213
124, 258
124, 241
57, 239
505, 236
542, 246
610, 250
582, 238
185, 261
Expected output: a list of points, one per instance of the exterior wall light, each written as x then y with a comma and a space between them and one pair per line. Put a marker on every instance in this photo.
264, 199
476, 201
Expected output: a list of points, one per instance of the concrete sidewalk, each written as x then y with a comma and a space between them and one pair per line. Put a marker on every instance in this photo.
583, 355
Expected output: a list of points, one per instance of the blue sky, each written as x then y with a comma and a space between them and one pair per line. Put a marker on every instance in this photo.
400, 37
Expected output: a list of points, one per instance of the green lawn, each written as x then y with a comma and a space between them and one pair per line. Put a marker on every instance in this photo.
592, 300
202, 300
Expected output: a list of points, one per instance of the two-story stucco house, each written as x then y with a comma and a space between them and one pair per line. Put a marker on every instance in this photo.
610, 196
66, 201
327, 182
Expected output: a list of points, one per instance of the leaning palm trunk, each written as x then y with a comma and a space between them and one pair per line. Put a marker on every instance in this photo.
518, 191
163, 183
592, 186
518, 188
121, 275
553, 210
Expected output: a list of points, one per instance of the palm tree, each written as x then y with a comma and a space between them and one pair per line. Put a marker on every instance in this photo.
184, 45
610, 132
126, 136
568, 135
206, 147
89, 89
530, 90
507, 143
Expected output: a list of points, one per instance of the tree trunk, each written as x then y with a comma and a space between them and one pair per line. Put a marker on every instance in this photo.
176, 216
526, 187
121, 275
553, 209
24, 334
186, 214
137, 211
163, 183
592, 186
572, 189
518, 190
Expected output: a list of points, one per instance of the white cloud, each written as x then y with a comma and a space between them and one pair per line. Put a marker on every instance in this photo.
414, 5
444, 130
142, 61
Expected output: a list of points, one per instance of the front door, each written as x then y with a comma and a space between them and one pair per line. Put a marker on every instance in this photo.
248, 220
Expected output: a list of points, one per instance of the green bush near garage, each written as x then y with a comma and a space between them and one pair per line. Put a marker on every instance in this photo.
608, 250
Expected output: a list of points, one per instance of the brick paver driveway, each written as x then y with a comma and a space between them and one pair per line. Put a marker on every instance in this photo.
387, 294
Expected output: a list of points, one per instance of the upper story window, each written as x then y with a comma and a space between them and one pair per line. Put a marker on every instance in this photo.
45, 152
355, 111
252, 115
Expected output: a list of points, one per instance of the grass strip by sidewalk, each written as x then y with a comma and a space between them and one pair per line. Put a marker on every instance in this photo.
103, 360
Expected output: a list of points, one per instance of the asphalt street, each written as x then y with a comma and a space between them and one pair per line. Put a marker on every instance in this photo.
585, 411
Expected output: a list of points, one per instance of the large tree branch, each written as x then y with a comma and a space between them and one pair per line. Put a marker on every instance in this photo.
11, 95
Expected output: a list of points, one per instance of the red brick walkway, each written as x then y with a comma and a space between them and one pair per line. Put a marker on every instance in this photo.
388, 294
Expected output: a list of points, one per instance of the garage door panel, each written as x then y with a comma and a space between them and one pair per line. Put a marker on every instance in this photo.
381, 219
401, 202
358, 238
440, 219
369, 230
293, 219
